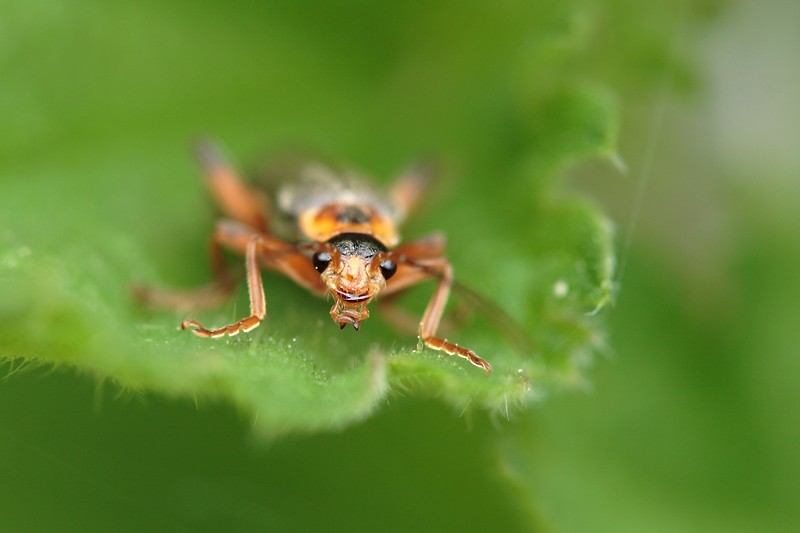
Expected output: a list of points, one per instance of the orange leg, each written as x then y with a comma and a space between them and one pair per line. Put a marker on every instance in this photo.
258, 302
413, 269
273, 252
236, 200
428, 247
419, 251
409, 187
433, 315
259, 249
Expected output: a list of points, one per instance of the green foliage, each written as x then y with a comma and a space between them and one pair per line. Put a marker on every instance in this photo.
116, 201
112, 419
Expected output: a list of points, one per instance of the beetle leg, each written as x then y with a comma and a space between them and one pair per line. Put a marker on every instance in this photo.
234, 197
258, 303
428, 247
411, 272
409, 187
273, 253
259, 249
433, 315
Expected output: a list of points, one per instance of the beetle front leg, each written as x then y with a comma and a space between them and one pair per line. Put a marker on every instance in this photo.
433, 316
258, 303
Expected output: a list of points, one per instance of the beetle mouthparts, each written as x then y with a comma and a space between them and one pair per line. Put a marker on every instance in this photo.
353, 298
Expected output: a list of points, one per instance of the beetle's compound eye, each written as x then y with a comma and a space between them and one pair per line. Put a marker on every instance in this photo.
388, 268
321, 260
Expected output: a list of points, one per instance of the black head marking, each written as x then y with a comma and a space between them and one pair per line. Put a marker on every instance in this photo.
359, 244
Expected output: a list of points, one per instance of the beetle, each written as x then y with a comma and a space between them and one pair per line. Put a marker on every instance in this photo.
330, 232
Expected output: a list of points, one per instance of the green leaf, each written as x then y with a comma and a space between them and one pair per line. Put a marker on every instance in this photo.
115, 200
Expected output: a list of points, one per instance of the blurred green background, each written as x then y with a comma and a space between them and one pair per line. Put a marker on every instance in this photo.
690, 420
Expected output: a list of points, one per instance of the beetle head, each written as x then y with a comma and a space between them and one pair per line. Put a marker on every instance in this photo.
354, 268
